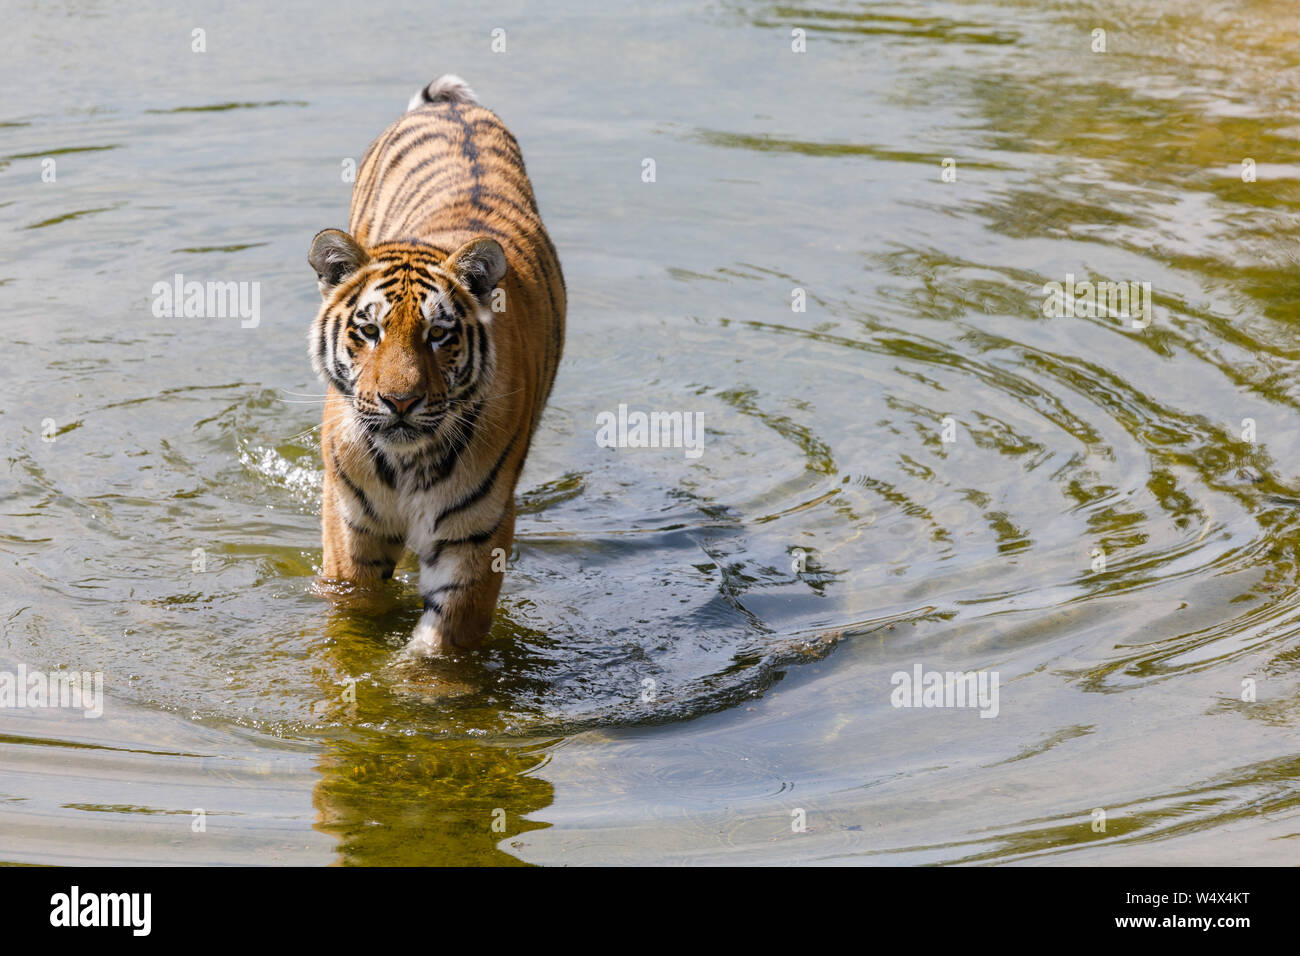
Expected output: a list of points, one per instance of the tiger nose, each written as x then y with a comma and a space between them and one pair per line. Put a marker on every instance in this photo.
400, 403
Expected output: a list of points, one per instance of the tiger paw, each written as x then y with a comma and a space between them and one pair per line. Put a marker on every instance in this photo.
428, 639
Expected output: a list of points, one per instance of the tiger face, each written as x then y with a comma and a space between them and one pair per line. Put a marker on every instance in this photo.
404, 332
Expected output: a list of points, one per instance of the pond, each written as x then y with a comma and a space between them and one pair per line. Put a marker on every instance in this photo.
917, 454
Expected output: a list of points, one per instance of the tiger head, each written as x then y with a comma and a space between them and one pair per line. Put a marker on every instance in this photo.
404, 332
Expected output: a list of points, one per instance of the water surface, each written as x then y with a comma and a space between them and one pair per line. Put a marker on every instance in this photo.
302, 735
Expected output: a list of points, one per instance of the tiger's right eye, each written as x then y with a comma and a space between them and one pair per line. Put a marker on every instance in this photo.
368, 329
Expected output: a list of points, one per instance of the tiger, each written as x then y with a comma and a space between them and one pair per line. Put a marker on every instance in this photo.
439, 334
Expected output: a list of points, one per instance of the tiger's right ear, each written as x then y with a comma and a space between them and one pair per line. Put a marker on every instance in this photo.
335, 255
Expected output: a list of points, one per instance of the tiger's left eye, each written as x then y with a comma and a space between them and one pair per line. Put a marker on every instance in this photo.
437, 335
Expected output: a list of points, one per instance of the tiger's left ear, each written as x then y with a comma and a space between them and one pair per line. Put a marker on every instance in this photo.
335, 255
478, 265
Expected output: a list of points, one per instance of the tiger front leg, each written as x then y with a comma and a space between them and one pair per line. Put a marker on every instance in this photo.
460, 580
353, 547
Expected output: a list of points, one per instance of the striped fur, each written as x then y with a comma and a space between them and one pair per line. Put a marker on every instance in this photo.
438, 340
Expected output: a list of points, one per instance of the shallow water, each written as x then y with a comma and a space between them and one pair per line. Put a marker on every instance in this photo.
292, 722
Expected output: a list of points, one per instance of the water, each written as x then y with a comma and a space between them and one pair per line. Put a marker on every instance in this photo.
302, 736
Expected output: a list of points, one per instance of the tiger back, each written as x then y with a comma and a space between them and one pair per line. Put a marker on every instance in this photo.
439, 335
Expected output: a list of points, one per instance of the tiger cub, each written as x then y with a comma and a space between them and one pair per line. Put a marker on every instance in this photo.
438, 340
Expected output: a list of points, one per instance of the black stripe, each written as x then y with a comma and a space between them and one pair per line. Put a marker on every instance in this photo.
339, 370
327, 339
383, 468
394, 159
368, 533
478, 537
395, 252
437, 606
322, 328
464, 435
360, 495
416, 189
529, 220
439, 468
483, 488
469, 150
342, 385
456, 305
400, 134
471, 332
526, 216
553, 346
367, 172
334, 371
446, 587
